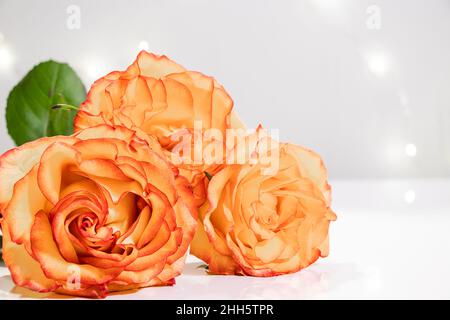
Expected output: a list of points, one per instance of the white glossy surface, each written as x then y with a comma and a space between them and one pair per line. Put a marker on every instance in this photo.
382, 247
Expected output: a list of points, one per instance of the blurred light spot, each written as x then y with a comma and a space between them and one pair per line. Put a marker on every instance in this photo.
93, 72
378, 64
2, 38
95, 69
411, 150
6, 58
143, 45
410, 196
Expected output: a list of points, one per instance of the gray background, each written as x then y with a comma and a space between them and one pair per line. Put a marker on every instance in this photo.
313, 69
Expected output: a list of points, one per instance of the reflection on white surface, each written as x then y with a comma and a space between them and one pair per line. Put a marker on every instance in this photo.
373, 279
195, 283
381, 248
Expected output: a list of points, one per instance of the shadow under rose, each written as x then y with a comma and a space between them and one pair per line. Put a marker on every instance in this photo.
8, 290
195, 269
195, 283
312, 282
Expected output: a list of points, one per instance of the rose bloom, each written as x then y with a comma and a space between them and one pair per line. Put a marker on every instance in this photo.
162, 99
99, 211
266, 223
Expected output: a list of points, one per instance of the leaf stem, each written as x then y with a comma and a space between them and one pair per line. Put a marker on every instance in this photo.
64, 106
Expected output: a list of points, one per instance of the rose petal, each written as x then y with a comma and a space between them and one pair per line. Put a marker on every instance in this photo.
53, 161
25, 271
154, 225
133, 235
26, 201
103, 168
147, 261
151, 65
312, 167
202, 248
17, 162
53, 264
269, 250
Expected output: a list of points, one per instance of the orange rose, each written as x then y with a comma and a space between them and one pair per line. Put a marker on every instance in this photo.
262, 222
161, 98
99, 211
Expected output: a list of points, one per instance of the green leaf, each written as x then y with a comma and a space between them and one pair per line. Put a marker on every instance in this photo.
29, 112
60, 122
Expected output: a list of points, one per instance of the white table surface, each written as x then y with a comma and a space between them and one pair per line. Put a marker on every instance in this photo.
383, 246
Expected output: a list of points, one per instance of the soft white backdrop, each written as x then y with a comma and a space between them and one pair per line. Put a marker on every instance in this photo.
365, 83
319, 70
